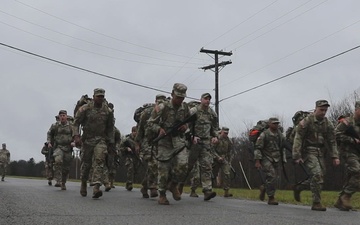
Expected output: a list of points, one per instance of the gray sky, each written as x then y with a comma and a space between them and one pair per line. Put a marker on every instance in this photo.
156, 44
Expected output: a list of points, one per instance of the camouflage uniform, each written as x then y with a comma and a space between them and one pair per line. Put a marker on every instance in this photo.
147, 152
351, 155
269, 150
205, 129
172, 152
130, 157
49, 160
223, 149
4, 161
97, 121
113, 157
313, 137
60, 136
195, 179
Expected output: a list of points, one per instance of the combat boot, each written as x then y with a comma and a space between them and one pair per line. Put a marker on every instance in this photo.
153, 192
112, 183
97, 193
209, 195
262, 192
162, 199
107, 187
227, 194
63, 186
297, 191
144, 192
49, 183
345, 200
2, 179
129, 186
318, 207
193, 193
57, 184
272, 201
175, 191
83, 191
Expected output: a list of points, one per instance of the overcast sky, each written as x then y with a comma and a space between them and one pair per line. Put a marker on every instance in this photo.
156, 44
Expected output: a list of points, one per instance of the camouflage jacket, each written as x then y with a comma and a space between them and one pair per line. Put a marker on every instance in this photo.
60, 135
142, 125
97, 123
270, 145
223, 148
4, 156
344, 139
206, 125
314, 137
127, 142
165, 116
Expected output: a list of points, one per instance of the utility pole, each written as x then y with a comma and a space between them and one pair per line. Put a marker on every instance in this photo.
216, 66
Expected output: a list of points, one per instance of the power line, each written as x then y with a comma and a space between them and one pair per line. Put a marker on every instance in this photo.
87, 70
284, 57
93, 43
290, 74
96, 32
95, 53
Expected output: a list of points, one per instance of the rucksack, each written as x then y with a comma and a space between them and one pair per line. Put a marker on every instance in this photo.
138, 111
298, 116
82, 101
255, 132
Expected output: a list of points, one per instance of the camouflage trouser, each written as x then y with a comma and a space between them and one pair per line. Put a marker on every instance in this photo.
49, 172
130, 169
93, 157
202, 154
195, 176
225, 170
316, 168
151, 175
62, 164
3, 169
172, 170
109, 169
270, 170
352, 167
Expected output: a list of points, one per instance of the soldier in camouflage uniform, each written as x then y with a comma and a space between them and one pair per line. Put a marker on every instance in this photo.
222, 161
97, 121
314, 135
347, 135
4, 161
268, 154
60, 138
204, 134
147, 152
172, 153
127, 149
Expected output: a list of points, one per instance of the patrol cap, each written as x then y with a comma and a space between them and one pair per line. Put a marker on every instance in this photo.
320, 103
205, 95
99, 92
357, 104
225, 129
274, 120
179, 90
160, 96
63, 111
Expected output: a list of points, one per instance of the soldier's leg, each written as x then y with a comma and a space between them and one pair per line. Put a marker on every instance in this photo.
163, 180
152, 176
58, 165
2, 171
100, 152
269, 169
205, 162
87, 152
225, 168
129, 163
316, 169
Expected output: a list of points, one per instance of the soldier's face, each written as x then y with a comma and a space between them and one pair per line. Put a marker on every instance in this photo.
99, 99
205, 101
63, 117
176, 100
320, 112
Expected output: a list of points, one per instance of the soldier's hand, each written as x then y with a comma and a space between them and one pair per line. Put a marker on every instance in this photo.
128, 149
214, 140
257, 164
298, 161
77, 139
183, 128
72, 144
195, 140
336, 161
162, 132
220, 159
357, 141
49, 145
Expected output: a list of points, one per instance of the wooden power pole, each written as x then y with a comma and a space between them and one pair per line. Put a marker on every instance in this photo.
216, 66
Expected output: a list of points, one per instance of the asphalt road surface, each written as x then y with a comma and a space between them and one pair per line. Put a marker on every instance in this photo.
26, 201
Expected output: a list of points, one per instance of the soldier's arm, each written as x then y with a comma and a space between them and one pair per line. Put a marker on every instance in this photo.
300, 131
214, 126
110, 128
259, 146
78, 120
153, 122
331, 139
50, 134
340, 133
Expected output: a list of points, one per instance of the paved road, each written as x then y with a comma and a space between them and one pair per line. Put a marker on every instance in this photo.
26, 201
